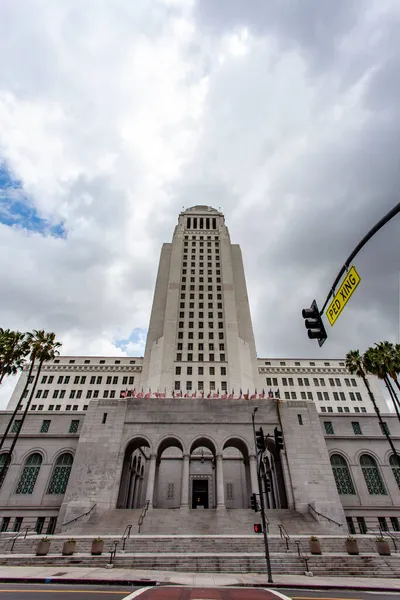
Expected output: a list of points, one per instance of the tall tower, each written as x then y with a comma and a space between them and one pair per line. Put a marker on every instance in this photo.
200, 334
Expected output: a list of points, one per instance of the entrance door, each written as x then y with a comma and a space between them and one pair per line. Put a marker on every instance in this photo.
200, 493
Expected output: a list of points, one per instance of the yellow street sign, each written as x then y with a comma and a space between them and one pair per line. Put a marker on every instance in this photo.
345, 291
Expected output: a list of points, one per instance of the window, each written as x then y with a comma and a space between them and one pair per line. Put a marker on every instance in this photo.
384, 428
72, 394
131, 380
395, 523
354, 383
342, 396
76, 379
66, 379
60, 379
38, 393
287, 395
350, 525
322, 381
89, 394
61, 472
358, 396
338, 382
362, 525
104, 419
29, 474
212, 370
73, 427
331, 382
303, 395
188, 385
51, 406
16, 426
44, 379
68, 407
179, 356
200, 385
342, 475
93, 379
300, 381
108, 380
223, 370
363, 409
85, 406
284, 381
45, 426
79, 394
329, 409
347, 382
300, 419
99, 379
39, 525
105, 394
309, 395
189, 370
178, 370
356, 427
62, 394
323, 408
177, 385
372, 475
395, 464
316, 382
200, 371
293, 394
58, 406
328, 427
95, 393
326, 396
336, 396
115, 380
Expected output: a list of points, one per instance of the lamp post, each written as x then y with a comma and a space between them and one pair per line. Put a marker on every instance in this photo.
262, 505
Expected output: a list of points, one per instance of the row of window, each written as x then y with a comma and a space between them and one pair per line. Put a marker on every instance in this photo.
200, 357
201, 242
200, 385
45, 426
58, 407
201, 263
200, 335
324, 396
73, 394
201, 237
298, 364
341, 409
200, 278
370, 470
58, 480
328, 425
201, 222
200, 287
200, 370
201, 250
81, 379
317, 381
382, 524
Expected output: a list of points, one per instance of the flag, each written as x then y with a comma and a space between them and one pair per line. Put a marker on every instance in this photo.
179, 394
231, 396
224, 396
240, 395
270, 394
123, 394
162, 395
195, 394
186, 395
253, 396
209, 395
173, 394
133, 393
140, 395
246, 396
148, 395
216, 395
202, 394
277, 394
262, 394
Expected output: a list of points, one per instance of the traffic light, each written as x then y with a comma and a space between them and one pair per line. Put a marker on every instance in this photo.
257, 528
254, 503
314, 324
260, 440
278, 439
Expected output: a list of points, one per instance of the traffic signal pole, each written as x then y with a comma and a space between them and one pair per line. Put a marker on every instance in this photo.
262, 504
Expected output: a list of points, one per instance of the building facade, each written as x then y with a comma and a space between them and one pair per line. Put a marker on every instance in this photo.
174, 428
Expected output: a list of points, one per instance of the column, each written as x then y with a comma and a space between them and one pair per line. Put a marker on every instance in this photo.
151, 480
220, 482
185, 482
253, 474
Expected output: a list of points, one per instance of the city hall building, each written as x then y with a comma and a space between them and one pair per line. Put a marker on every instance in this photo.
173, 430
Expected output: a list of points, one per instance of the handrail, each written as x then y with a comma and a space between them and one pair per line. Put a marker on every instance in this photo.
382, 533
113, 551
302, 553
284, 534
310, 506
80, 516
126, 535
143, 514
14, 539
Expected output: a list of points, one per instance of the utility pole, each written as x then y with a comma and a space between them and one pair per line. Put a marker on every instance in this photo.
261, 494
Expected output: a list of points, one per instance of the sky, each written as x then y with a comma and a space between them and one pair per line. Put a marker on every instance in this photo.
115, 115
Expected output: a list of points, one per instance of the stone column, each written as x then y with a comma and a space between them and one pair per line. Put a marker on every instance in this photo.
220, 482
185, 482
151, 480
253, 474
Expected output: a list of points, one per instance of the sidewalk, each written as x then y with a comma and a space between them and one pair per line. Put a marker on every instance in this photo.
82, 575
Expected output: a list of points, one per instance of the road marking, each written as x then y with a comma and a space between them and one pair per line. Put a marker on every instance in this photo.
321, 598
136, 593
278, 594
62, 592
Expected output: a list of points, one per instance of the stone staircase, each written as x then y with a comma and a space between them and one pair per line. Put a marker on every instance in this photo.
195, 522
211, 554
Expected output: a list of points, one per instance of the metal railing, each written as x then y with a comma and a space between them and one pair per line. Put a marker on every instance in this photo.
381, 533
125, 536
24, 531
302, 554
113, 551
80, 516
311, 508
284, 534
143, 514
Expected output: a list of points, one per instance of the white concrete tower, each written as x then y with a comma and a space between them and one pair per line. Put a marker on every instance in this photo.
200, 334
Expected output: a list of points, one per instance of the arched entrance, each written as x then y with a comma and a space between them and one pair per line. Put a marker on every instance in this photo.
203, 474
236, 471
134, 470
169, 474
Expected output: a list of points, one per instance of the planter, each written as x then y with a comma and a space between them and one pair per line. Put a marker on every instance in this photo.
352, 547
315, 546
97, 547
42, 548
383, 548
68, 548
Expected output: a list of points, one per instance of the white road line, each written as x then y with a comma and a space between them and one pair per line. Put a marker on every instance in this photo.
136, 593
278, 594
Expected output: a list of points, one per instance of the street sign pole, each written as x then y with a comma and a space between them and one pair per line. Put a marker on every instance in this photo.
262, 504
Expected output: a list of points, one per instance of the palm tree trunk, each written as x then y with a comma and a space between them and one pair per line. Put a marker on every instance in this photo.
6, 465
393, 395
3, 438
384, 429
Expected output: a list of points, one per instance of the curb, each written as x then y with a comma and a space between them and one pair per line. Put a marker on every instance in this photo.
74, 581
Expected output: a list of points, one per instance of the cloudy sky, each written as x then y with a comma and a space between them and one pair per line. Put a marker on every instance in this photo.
114, 115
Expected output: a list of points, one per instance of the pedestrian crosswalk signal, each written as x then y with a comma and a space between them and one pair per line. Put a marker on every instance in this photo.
257, 528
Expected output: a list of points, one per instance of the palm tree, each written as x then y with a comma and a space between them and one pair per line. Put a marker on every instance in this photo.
355, 366
378, 361
396, 364
43, 348
14, 347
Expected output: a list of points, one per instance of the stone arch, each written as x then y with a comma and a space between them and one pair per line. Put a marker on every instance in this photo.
372, 474
168, 475
369, 451
34, 450
60, 473
204, 441
27, 479
342, 473
132, 476
203, 477
236, 472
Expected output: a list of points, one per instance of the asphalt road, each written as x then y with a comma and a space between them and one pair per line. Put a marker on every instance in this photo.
75, 592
